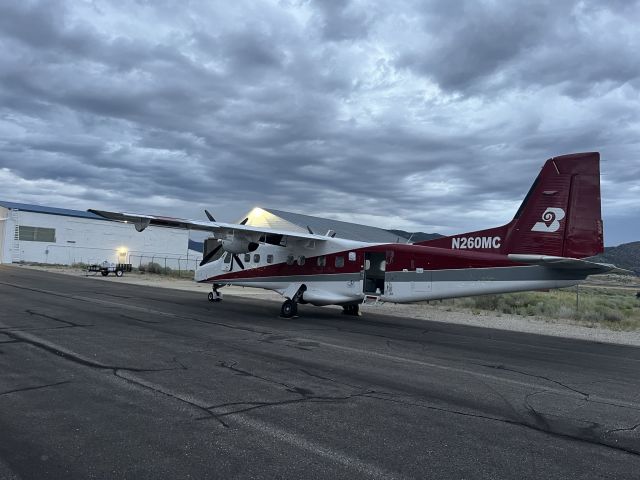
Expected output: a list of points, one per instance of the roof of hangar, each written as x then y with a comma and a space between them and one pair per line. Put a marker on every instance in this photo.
27, 207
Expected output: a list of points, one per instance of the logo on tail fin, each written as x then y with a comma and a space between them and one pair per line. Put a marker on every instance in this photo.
550, 220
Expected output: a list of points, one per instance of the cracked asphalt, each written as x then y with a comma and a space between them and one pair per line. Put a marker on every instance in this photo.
110, 380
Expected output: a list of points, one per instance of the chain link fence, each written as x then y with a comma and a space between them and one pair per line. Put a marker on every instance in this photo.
180, 266
143, 262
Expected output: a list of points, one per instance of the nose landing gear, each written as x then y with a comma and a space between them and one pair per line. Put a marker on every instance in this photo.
214, 295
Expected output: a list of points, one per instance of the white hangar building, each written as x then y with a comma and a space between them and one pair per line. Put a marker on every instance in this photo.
39, 234
34, 233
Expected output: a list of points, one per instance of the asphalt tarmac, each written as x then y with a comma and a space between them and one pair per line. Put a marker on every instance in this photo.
111, 380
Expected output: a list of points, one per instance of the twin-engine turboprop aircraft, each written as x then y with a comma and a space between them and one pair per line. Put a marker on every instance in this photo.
558, 224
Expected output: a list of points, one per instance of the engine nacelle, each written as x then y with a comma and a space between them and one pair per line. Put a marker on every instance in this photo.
239, 245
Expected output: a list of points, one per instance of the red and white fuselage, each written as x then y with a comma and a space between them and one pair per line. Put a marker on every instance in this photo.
344, 271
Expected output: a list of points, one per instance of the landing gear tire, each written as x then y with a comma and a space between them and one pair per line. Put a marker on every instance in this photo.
353, 310
214, 297
289, 309
211, 297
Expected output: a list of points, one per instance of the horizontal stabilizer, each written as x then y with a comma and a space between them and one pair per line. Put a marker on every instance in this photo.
565, 263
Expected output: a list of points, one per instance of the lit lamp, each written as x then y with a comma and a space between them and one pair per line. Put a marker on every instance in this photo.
122, 254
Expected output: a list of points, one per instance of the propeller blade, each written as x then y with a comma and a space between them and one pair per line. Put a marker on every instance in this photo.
209, 216
239, 262
244, 221
210, 255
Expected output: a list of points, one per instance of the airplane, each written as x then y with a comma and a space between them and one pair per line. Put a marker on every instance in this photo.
557, 225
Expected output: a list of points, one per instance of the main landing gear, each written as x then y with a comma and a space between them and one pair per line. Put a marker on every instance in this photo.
289, 309
214, 295
352, 309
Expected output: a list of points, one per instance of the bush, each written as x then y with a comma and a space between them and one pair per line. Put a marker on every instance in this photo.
618, 309
153, 267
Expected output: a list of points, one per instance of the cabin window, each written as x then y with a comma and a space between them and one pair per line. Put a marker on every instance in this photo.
302, 260
339, 262
256, 258
367, 264
290, 260
383, 266
227, 259
269, 258
247, 257
321, 261
352, 256
36, 234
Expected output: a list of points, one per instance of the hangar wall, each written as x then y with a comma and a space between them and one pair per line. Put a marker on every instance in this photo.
4, 245
59, 239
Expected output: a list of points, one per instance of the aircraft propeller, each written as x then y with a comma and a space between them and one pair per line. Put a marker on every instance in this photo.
237, 259
212, 253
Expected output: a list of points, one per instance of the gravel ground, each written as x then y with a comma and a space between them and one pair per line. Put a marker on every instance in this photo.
432, 312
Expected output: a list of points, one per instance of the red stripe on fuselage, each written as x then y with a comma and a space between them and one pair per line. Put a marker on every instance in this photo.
399, 257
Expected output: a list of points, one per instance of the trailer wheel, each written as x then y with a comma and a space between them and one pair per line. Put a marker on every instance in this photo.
119, 273
104, 273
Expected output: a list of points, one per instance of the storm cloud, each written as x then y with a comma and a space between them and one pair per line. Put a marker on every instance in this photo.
432, 116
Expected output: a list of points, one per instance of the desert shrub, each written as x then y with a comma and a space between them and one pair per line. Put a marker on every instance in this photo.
613, 316
618, 309
486, 302
153, 267
566, 312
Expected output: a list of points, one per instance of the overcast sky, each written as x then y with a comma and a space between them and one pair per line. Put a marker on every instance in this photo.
432, 116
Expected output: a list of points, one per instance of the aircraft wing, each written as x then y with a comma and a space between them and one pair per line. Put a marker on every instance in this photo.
219, 229
565, 263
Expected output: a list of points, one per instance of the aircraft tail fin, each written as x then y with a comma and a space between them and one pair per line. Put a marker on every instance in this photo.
560, 215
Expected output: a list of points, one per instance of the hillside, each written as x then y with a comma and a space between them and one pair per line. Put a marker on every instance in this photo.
626, 256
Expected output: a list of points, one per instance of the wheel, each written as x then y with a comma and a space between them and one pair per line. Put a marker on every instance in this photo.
353, 310
289, 309
104, 273
210, 297
119, 273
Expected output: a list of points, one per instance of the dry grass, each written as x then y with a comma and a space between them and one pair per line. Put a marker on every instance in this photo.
604, 307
